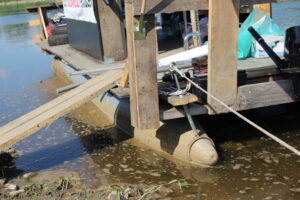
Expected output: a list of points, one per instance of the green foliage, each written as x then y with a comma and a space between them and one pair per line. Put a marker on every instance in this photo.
19, 7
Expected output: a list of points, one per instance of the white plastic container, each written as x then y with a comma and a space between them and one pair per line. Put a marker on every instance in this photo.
276, 42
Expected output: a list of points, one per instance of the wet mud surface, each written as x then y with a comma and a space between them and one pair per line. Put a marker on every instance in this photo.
72, 160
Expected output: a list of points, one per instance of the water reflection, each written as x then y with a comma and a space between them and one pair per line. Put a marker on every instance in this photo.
14, 31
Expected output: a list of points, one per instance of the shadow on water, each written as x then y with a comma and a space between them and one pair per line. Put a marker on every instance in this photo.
65, 147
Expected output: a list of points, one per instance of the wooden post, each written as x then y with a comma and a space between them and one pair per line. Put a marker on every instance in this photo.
265, 7
130, 60
142, 72
194, 27
222, 52
112, 30
42, 13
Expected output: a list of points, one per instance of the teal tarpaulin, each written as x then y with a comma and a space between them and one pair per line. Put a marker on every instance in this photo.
262, 23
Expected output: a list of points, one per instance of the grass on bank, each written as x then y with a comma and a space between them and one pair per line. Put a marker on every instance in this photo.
19, 8
27, 1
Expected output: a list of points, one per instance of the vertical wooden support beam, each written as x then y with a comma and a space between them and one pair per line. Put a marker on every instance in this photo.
265, 7
194, 27
112, 30
222, 52
142, 72
129, 17
42, 13
146, 77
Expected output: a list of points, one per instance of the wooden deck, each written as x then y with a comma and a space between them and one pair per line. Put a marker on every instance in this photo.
252, 64
82, 61
255, 68
77, 59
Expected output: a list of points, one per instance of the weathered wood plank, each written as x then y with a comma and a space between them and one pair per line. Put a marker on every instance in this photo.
77, 59
112, 30
265, 94
42, 13
49, 112
142, 72
179, 101
145, 75
131, 61
222, 52
165, 6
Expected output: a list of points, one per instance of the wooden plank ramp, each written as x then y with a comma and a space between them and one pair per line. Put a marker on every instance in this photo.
31, 122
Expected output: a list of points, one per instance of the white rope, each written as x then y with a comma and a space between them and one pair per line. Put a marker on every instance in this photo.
174, 68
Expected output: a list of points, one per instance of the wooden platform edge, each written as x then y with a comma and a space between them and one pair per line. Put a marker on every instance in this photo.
265, 94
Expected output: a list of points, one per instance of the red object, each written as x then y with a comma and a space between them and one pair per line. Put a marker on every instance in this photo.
201, 69
49, 28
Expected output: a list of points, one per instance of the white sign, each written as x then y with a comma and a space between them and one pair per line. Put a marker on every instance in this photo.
80, 10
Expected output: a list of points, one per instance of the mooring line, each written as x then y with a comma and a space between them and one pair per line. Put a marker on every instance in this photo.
283, 143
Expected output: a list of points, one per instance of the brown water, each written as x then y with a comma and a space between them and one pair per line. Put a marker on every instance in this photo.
251, 166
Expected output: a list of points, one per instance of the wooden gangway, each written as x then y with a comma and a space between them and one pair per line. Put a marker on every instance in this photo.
31, 122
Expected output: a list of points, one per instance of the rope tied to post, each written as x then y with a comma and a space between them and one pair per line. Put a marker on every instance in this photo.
264, 131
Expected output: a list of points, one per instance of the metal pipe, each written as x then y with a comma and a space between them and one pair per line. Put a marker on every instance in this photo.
185, 107
276, 59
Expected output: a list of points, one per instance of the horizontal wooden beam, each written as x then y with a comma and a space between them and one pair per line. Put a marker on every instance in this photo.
164, 6
179, 100
265, 94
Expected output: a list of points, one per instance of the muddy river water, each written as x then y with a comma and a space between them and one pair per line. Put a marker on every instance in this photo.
251, 166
